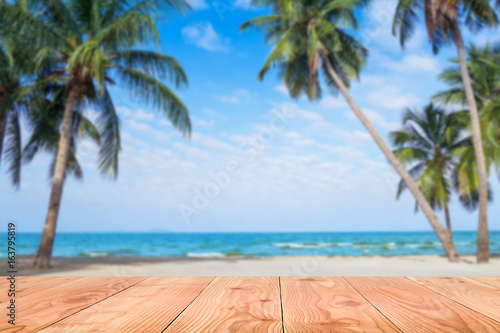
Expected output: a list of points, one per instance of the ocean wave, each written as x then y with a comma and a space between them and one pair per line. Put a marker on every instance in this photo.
303, 245
205, 255
94, 254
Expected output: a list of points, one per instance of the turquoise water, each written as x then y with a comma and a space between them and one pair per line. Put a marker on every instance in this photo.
248, 244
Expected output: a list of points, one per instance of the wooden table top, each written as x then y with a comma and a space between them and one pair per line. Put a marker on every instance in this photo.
253, 304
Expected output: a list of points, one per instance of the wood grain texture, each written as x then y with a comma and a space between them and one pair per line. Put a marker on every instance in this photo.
489, 280
148, 306
328, 304
473, 294
42, 308
27, 286
414, 308
233, 304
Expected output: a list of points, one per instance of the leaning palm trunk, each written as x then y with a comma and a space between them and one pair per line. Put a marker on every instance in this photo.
440, 231
483, 248
44, 254
447, 218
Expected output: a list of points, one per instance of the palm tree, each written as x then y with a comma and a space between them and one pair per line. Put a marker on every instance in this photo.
484, 68
88, 43
308, 36
429, 142
15, 79
442, 19
21, 97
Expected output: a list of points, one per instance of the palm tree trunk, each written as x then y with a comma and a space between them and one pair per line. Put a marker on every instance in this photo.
3, 123
44, 254
442, 234
448, 220
483, 243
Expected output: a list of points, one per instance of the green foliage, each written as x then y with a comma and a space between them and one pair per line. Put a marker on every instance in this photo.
428, 144
88, 43
441, 18
306, 35
484, 69
15, 74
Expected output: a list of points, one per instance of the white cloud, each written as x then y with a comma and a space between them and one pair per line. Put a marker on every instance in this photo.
212, 143
202, 123
229, 99
282, 89
147, 130
137, 114
123, 111
355, 137
376, 119
243, 93
330, 102
297, 139
346, 152
140, 114
414, 63
298, 174
238, 96
392, 98
194, 153
371, 80
243, 4
197, 4
313, 118
204, 36
214, 114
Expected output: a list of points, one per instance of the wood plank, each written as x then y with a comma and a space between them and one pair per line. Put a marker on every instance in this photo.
233, 304
148, 306
40, 309
489, 280
473, 294
328, 304
414, 308
25, 287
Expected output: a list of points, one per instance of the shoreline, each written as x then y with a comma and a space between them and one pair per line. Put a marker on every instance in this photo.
398, 265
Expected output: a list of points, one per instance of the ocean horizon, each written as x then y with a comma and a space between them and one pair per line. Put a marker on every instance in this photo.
248, 244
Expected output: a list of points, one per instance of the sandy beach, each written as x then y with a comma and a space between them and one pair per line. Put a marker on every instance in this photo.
423, 265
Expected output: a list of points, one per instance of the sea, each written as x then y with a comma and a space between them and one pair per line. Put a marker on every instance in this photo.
223, 245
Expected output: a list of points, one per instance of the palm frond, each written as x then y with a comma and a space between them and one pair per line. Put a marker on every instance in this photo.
405, 19
129, 30
108, 124
153, 92
410, 155
13, 148
19, 26
152, 63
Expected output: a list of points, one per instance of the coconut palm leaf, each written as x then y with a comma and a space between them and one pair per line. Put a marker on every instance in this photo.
13, 147
428, 143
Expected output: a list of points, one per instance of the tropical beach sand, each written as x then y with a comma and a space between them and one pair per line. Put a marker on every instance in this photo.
422, 265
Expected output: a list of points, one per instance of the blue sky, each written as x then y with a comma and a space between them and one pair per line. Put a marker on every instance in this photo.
314, 167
